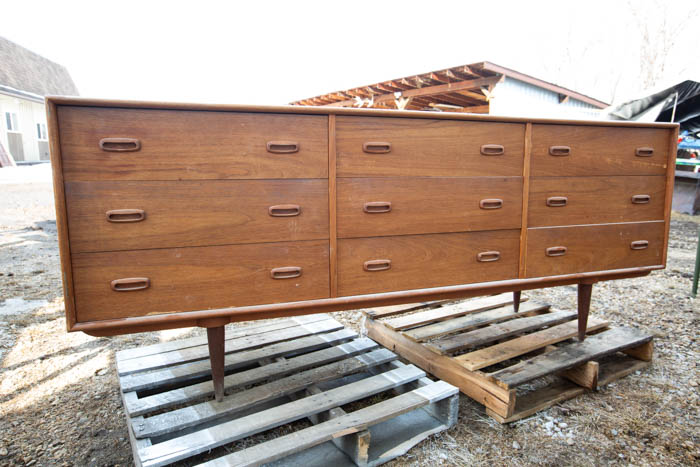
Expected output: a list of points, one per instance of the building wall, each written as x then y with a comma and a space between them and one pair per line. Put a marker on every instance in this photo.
29, 114
517, 98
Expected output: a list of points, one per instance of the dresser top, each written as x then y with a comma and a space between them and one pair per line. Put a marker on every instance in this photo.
309, 110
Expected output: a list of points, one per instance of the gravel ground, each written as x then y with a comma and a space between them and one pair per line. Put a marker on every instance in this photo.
60, 404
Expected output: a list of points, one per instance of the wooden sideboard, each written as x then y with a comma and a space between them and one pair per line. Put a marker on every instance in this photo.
175, 215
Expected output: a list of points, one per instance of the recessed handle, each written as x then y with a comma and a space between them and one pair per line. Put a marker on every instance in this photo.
126, 215
641, 199
644, 152
376, 147
377, 265
488, 256
282, 147
492, 150
492, 203
639, 245
130, 284
376, 207
287, 272
559, 150
120, 144
557, 201
284, 210
556, 251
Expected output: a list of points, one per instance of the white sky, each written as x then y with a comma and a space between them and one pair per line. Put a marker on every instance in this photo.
260, 52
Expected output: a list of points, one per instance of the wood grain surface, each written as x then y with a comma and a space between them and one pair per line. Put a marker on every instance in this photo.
201, 278
595, 200
427, 205
593, 248
190, 145
194, 213
434, 148
423, 261
598, 151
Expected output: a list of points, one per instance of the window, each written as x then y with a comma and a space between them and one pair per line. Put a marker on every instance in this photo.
11, 121
41, 130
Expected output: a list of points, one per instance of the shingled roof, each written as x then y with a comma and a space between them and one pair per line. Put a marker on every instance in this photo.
27, 72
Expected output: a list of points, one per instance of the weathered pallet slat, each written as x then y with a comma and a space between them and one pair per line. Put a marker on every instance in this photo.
505, 350
280, 380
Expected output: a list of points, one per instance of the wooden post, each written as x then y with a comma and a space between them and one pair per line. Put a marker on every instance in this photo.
584, 305
215, 339
516, 300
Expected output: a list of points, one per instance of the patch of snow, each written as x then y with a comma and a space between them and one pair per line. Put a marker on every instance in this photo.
16, 306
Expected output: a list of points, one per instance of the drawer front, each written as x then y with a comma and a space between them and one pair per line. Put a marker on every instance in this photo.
174, 144
131, 215
375, 146
569, 250
385, 264
595, 200
369, 207
567, 150
187, 279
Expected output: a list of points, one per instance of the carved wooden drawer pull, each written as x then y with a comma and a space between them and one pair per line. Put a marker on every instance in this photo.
126, 215
120, 144
491, 203
641, 199
559, 150
282, 147
376, 207
557, 201
284, 210
488, 256
644, 152
377, 265
556, 251
130, 284
492, 150
376, 147
639, 245
288, 272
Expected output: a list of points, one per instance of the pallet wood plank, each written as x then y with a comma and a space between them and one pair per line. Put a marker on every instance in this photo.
585, 375
521, 345
231, 333
201, 390
203, 440
356, 421
448, 312
571, 355
464, 323
192, 415
179, 374
392, 310
477, 386
496, 332
644, 352
153, 362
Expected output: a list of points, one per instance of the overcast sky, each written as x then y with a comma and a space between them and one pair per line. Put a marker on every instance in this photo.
259, 52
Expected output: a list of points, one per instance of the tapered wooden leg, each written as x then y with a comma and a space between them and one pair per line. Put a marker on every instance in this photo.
516, 300
215, 338
584, 305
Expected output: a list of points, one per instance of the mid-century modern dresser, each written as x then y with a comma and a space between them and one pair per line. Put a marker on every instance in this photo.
173, 215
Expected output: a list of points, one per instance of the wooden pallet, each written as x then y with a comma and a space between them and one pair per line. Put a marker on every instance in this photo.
514, 363
279, 372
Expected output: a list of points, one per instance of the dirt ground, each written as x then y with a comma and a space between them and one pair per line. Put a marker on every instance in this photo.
60, 404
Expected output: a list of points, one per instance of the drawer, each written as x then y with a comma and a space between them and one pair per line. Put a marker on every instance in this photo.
187, 279
568, 150
553, 251
595, 200
376, 146
369, 207
385, 264
130, 215
177, 144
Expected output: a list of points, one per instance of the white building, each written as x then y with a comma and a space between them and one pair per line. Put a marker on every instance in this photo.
25, 78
